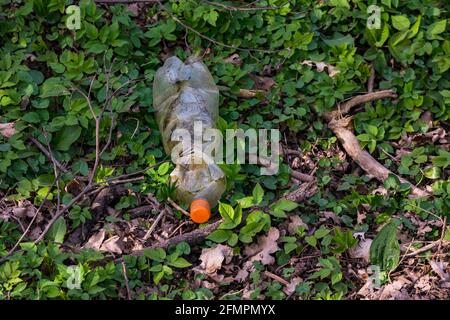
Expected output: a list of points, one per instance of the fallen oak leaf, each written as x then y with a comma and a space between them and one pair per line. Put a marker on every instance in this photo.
213, 258
320, 66
265, 247
260, 252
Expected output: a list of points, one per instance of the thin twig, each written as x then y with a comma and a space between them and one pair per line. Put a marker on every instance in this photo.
351, 144
302, 176
97, 120
178, 228
163, 8
48, 155
345, 108
62, 211
155, 224
11, 251
125, 1
424, 248
116, 182
276, 278
371, 80
441, 239
55, 171
124, 271
176, 206
243, 8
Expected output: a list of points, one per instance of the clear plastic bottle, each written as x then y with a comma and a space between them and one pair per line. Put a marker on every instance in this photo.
184, 94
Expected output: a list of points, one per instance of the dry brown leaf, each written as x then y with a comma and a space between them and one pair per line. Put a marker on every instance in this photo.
395, 290
113, 244
7, 129
362, 250
360, 217
439, 267
233, 59
289, 289
133, 8
35, 233
320, 66
213, 258
243, 273
265, 247
95, 241
262, 83
331, 215
246, 294
259, 252
380, 190
19, 212
295, 223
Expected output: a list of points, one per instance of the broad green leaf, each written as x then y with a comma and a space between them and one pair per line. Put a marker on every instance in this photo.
180, 263
400, 22
258, 194
220, 236
285, 205
226, 211
66, 137
245, 202
53, 87
311, 240
435, 29
31, 117
163, 168
432, 173
289, 247
57, 231
385, 249
340, 3
320, 233
155, 254
211, 17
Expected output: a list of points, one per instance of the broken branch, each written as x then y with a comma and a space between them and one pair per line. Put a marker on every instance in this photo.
351, 144
345, 108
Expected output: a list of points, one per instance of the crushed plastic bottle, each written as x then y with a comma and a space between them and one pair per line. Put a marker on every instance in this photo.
185, 94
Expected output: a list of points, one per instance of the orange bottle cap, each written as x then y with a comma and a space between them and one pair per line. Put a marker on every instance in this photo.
200, 211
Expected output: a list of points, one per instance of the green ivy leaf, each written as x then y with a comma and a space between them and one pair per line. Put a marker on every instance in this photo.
211, 17
155, 254
53, 87
311, 240
258, 194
